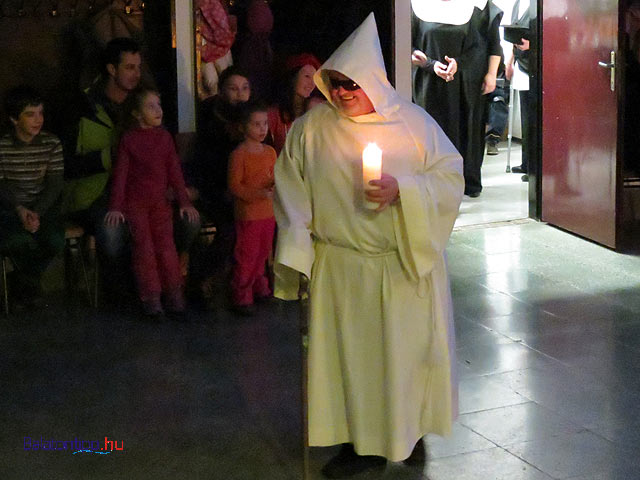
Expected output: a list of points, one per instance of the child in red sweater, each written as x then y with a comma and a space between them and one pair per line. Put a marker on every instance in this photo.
251, 183
147, 166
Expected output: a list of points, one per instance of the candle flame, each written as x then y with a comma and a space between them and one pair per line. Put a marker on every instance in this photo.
372, 154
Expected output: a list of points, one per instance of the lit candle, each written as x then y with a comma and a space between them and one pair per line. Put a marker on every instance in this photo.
371, 170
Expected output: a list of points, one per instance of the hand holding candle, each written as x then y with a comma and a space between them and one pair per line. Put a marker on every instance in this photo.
371, 170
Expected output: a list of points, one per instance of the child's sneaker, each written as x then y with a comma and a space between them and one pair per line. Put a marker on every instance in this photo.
174, 301
152, 307
244, 310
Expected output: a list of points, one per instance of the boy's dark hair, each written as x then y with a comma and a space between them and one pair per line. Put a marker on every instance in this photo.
229, 72
249, 108
112, 54
21, 97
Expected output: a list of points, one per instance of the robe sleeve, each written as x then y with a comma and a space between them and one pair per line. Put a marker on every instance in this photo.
429, 200
293, 210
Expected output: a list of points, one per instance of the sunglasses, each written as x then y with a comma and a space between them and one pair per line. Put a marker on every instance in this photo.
348, 85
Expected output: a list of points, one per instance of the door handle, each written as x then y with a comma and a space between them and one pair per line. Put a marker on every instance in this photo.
612, 66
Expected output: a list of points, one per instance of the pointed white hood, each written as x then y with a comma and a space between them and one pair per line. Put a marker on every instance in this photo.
450, 12
360, 58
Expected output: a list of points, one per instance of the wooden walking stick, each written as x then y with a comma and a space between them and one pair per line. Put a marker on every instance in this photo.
303, 296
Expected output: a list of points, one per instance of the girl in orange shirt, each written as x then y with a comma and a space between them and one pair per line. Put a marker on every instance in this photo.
251, 183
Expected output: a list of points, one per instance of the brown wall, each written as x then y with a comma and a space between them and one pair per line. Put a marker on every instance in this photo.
58, 54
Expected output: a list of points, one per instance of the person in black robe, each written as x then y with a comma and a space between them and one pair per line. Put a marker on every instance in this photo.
455, 66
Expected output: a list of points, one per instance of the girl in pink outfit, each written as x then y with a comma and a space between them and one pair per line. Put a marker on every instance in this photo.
146, 168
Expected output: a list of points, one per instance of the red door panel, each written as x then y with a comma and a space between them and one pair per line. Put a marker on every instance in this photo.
579, 117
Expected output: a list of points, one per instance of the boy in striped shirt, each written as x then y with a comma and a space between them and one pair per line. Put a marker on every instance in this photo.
31, 179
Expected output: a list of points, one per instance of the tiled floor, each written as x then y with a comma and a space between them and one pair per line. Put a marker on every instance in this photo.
548, 332
504, 195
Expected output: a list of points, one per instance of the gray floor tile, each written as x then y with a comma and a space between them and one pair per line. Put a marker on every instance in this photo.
481, 393
501, 357
612, 473
491, 464
462, 440
571, 455
469, 332
517, 423
479, 306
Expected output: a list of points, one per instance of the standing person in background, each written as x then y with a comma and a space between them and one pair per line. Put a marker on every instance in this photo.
497, 112
147, 166
381, 338
517, 72
292, 94
251, 184
218, 135
456, 54
90, 148
255, 55
31, 179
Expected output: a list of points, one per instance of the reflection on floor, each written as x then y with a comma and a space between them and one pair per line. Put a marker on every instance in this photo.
504, 195
548, 330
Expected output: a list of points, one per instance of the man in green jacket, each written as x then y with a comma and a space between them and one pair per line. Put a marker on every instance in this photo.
91, 148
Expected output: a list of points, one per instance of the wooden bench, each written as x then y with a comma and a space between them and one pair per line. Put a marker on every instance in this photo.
74, 237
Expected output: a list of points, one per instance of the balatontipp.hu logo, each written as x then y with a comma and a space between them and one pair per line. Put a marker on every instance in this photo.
74, 446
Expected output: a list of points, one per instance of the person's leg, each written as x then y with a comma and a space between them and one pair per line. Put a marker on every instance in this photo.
474, 118
261, 287
246, 252
498, 112
50, 238
184, 231
161, 224
22, 247
113, 252
497, 115
143, 258
184, 234
112, 241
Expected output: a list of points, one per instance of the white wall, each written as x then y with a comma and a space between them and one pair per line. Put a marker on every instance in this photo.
403, 47
185, 58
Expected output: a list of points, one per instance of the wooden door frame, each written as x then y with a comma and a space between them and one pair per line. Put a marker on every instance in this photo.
535, 134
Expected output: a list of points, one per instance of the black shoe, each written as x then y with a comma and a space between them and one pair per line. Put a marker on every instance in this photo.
524, 178
518, 169
244, 310
492, 148
152, 308
263, 299
473, 194
418, 456
348, 463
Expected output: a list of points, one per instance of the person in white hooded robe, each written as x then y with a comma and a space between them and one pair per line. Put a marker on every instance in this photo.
381, 340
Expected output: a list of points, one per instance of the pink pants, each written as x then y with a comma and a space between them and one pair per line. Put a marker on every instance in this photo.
254, 239
154, 257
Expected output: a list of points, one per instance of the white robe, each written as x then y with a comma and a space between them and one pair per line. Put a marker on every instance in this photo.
381, 343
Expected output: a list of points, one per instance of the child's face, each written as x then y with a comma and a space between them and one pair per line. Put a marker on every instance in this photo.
150, 113
257, 127
29, 122
236, 89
